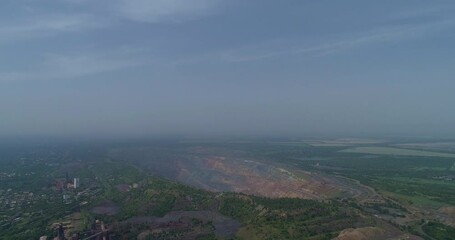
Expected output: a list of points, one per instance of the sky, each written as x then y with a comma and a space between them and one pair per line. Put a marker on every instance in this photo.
135, 68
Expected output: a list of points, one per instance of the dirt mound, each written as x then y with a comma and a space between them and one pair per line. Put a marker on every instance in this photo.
446, 215
365, 233
374, 233
252, 177
226, 170
448, 210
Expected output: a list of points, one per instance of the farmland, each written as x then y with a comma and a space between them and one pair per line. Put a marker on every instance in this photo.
397, 152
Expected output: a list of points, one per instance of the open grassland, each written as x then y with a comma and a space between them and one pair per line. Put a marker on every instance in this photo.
396, 151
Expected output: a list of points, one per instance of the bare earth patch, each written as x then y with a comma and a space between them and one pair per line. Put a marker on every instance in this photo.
372, 233
106, 208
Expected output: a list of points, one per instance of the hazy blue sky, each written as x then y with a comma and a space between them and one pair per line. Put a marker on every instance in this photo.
148, 67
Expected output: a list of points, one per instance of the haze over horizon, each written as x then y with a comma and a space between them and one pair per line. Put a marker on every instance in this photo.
212, 67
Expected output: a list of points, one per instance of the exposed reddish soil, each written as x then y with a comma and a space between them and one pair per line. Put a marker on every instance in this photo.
447, 215
373, 233
233, 173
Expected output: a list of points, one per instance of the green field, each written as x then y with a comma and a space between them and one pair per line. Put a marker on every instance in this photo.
397, 151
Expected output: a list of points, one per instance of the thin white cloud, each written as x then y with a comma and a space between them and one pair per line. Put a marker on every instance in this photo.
40, 21
378, 36
425, 12
81, 65
59, 66
45, 25
153, 11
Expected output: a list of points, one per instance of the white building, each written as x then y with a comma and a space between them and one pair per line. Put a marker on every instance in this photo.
76, 183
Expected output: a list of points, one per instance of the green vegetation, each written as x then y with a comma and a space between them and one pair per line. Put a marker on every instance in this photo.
287, 218
265, 218
415, 188
439, 231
